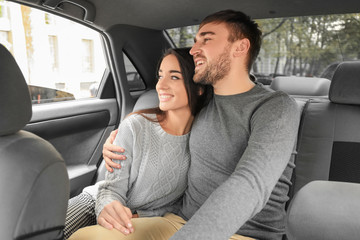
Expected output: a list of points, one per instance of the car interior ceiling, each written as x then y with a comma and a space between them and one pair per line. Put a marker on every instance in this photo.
181, 14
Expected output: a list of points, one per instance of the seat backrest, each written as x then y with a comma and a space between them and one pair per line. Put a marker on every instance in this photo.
148, 99
302, 86
329, 135
33, 177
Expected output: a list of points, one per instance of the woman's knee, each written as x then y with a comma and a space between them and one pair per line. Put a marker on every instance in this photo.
155, 228
95, 232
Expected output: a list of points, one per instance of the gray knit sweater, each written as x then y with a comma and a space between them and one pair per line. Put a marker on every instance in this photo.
154, 176
240, 172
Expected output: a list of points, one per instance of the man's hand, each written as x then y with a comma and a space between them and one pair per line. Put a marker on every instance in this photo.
115, 215
109, 150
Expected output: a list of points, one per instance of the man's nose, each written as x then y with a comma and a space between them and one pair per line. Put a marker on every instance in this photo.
194, 50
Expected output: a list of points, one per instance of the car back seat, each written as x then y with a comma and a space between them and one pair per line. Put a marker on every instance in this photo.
329, 150
329, 135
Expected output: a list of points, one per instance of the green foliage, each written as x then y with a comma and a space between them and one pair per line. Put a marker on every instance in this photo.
307, 45
183, 36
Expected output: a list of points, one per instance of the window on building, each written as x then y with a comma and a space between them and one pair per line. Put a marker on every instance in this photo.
49, 19
54, 53
5, 33
3, 9
5, 39
62, 61
87, 55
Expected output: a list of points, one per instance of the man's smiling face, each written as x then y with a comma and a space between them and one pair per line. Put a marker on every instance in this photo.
211, 52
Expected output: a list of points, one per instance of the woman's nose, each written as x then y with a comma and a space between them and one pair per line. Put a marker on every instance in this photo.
162, 83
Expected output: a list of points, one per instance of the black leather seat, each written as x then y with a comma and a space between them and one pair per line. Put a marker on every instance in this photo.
34, 183
329, 150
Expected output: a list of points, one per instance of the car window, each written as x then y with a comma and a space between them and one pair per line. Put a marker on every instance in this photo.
61, 60
134, 79
309, 46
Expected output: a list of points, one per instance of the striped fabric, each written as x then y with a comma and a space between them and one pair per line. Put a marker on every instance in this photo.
80, 213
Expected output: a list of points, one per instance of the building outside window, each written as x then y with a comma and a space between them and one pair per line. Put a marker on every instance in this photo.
54, 53
87, 55
60, 60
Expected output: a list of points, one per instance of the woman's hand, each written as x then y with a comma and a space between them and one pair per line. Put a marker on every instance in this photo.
115, 215
109, 150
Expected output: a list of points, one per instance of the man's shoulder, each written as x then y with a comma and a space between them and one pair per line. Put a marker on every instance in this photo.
275, 102
272, 96
285, 99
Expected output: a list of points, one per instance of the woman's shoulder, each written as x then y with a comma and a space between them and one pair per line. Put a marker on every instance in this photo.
137, 120
142, 117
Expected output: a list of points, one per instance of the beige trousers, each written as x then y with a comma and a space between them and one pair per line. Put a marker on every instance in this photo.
154, 228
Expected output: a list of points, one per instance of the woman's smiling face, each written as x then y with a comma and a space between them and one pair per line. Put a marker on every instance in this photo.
171, 87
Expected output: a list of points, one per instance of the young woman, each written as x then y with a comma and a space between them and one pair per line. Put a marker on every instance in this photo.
154, 176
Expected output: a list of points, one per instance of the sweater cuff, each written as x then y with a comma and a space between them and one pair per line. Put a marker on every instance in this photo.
104, 200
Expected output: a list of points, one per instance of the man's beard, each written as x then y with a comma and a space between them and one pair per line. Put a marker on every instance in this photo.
216, 70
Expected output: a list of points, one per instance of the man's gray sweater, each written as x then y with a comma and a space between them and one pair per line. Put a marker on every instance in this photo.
239, 176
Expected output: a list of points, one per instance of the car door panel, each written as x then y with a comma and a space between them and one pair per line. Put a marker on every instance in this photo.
78, 130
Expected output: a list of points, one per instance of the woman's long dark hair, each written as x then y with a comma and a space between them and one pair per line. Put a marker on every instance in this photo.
196, 100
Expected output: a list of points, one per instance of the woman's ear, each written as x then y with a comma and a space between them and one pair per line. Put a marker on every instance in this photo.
201, 91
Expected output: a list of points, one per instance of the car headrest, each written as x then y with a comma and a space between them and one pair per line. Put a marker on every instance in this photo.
15, 102
148, 99
345, 85
304, 86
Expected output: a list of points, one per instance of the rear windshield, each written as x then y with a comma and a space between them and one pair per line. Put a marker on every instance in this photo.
310, 46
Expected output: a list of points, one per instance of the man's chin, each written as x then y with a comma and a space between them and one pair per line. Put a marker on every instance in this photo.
202, 81
198, 80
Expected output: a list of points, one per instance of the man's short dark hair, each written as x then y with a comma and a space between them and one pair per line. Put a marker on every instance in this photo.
240, 26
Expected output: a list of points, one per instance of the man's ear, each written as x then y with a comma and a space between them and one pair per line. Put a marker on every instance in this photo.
241, 47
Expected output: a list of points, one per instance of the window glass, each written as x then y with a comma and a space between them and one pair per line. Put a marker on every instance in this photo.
135, 81
183, 36
309, 46
3, 10
60, 59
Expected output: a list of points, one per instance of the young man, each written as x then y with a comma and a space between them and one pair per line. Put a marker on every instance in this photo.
240, 143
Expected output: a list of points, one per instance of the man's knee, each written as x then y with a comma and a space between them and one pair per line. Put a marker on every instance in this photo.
154, 228
95, 232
